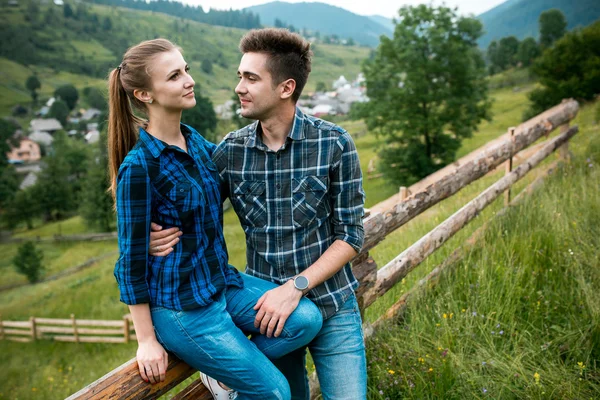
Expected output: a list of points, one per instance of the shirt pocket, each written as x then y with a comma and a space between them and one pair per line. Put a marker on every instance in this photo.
178, 193
308, 193
250, 202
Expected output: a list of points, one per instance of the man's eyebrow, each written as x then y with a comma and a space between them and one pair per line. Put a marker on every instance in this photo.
248, 73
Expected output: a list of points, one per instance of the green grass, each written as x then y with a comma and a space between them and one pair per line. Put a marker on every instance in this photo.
534, 277
93, 293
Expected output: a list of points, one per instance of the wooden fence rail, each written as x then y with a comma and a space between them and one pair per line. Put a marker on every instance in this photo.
125, 382
68, 330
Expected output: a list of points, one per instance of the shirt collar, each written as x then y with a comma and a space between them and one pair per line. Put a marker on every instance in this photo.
157, 146
296, 133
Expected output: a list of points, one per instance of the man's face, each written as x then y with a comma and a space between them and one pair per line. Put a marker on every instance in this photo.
259, 96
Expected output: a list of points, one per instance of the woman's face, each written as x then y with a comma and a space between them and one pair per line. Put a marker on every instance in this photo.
172, 85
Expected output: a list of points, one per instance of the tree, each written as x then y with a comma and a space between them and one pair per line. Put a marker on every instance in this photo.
67, 10
33, 84
321, 86
503, 54
528, 51
23, 207
69, 94
9, 185
553, 26
95, 98
28, 261
202, 117
7, 139
207, 66
571, 68
427, 90
96, 203
106, 24
60, 111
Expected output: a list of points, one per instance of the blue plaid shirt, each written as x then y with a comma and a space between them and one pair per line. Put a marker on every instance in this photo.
295, 202
162, 183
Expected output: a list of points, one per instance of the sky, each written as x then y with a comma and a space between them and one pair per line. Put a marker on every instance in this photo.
386, 8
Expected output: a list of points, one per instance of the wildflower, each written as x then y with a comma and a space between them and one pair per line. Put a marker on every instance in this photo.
439, 348
381, 392
444, 316
421, 360
403, 282
493, 332
536, 377
483, 363
463, 310
484, 390
437, 325
501, 332
498, 326
451, 315
474, 314
430, 370
581, 367
391, 372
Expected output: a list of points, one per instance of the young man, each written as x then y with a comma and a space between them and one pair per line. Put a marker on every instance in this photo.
295, 183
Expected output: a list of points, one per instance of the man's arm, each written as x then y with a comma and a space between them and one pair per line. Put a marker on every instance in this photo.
347, 198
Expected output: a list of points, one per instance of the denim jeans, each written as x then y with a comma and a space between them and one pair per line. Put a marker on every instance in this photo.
338, 352
213, 339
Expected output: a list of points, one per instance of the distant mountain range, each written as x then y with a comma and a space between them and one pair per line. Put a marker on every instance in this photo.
520, 17
327, 19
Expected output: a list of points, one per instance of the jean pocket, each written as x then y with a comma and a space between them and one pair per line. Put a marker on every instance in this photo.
307, 197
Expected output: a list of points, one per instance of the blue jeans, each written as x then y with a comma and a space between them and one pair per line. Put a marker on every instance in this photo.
338, 352
213, 339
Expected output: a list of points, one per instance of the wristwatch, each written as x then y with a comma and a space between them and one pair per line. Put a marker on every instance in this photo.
301, 283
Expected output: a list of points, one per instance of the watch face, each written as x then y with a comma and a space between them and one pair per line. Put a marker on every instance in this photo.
301, 282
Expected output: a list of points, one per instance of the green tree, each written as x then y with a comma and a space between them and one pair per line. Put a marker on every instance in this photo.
96, 203
33, 84
321, 86
528, 51
28, 261
571, 68
207, 66
60, 111
428, 90
202, 117
67, 10
106, 24
69, 94
503, 54
9, 185
7, 139
553, 26
95, 98
23, 207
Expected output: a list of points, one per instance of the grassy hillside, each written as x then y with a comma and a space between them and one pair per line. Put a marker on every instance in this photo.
520, 17
324, 18
80, 50
55, 370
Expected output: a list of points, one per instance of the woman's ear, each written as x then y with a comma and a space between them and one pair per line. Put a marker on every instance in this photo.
143, 96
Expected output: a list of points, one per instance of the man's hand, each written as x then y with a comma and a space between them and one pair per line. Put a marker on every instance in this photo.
274, 308
162, 241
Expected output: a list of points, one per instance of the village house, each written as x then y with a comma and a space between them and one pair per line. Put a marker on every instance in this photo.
49, 125
26, 151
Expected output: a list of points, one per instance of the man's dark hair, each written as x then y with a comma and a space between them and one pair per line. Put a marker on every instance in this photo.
289, 55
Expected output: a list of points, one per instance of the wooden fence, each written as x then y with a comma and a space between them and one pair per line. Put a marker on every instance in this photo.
125, 382
68, 330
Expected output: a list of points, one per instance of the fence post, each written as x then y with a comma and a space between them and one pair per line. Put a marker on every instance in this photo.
126, 331
509, 165
1, 328
563, 150
74, 328
33, 329
403, 193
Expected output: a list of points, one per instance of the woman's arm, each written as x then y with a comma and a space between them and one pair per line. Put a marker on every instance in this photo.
151, 356
133, 197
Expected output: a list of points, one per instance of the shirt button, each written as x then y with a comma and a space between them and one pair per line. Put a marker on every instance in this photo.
278, 186
181, 190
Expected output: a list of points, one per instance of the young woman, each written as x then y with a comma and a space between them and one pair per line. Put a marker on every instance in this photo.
190, 302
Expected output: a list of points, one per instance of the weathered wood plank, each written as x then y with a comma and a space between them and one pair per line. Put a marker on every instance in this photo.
125, 382
399, 267
194, 391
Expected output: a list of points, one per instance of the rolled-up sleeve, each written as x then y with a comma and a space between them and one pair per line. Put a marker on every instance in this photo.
133, 226
347, 195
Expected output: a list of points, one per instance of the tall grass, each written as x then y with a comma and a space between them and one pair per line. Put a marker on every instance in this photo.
519, 316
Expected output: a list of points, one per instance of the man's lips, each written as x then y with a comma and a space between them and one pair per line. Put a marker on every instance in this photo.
244, 101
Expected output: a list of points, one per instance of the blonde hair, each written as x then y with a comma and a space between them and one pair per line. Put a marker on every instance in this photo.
133, 73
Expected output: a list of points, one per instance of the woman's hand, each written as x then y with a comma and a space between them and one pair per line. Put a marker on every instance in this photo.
152, 360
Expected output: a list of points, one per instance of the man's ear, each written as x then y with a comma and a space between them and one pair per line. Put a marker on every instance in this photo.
287, 88
142, 95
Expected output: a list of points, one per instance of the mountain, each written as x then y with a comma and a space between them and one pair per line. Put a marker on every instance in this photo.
79, 44
327, 19
383, 21
520, 17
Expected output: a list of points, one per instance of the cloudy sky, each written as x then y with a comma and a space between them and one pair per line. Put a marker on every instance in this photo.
385, 8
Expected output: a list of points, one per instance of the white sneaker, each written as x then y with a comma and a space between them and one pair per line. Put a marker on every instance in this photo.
217, 390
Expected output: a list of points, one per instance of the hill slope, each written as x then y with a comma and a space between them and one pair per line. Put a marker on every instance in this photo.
326, 19
520, 17
92, 40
